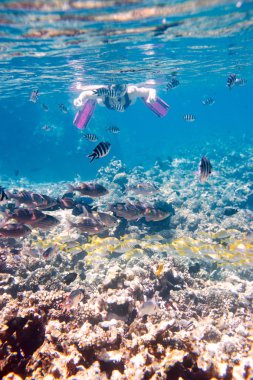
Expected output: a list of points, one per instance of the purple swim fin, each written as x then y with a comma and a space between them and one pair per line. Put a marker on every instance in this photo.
159, 107
83, 116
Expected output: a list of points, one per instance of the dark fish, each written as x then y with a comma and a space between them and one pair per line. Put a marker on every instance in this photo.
66, 202
208, 101
91, 137
23, 196
101, 150
16, 172
79, 209
46, 128
189, 117
231, 80
155, 214
44, 107
48, 253
14, 230
63, 108
46, 223
143, 188
102, 91
113, 129
90, 189
240, 82
43, 201
205, 169
34, 96
89, 225
173, 83
127, 210
3, 194
117, 90
105, 218
117, 106
25, 216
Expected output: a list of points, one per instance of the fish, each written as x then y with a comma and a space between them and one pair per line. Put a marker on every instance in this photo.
25, 216
63, 108
149, 307
46, 223
231, 80
160, 269
48, 253
44, 107
101, 150
205, 169
91, 137
89, 225
3, 194
189, 117
16, 173
113, 129
143, 188
117, 106
73, 299
155, 214
46, 128
240, 82
127, 210
34, 96
90, 189
14, 230
102, 91
20, 197
105, 218
173, 83
208, 101
66, 202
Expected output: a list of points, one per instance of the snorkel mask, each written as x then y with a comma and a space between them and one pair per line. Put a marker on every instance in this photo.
117, 90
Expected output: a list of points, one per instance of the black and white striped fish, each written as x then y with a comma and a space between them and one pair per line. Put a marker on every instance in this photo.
102, 91
118, 107
208, 101
189, 117
113, 129
101, 150
91, 137
231, 80
174, 82
240, 82
205, 169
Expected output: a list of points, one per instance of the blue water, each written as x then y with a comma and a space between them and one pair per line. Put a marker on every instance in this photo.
54, 47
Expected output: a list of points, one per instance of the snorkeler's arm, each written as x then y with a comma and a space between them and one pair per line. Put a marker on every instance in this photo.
142, 92
89, 92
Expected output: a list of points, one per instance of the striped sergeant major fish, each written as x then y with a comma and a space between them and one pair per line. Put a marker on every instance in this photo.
113, 129
101, 150
3, 195
231, 80
205, 169
101, 91
189, 117
208, 101
91, 137
174, 82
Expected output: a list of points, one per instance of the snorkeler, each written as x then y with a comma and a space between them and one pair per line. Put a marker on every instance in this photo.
115, 97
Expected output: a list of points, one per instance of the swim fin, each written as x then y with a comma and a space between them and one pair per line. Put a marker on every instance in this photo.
159, 107
83, 116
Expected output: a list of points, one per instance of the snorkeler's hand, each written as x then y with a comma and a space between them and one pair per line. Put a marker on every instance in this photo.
152, 96
78, 102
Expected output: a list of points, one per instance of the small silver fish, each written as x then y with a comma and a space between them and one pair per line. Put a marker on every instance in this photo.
149, 307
